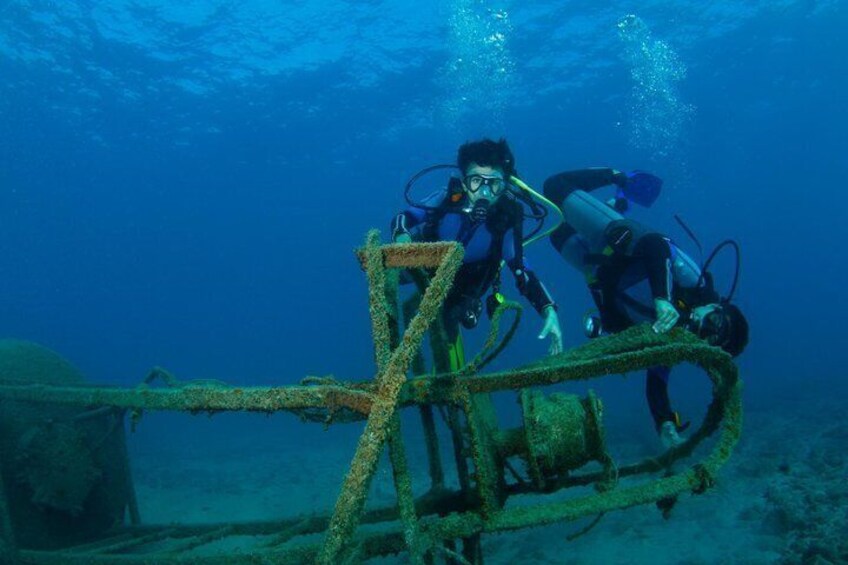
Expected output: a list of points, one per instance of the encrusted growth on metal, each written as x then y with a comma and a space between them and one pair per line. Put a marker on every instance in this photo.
559, 435
389, 381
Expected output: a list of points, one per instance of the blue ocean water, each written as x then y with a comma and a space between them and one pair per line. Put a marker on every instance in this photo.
183, 183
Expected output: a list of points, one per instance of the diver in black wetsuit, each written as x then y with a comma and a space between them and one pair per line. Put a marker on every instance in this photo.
480, 211
636, 274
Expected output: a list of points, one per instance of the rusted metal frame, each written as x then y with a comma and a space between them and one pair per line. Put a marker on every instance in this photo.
688, 481
377, 306
376, 544
405, 499
440, 389
411, 255
372, 546
310, 525
132, 542
351, 499
197, 398
716, 413
431, 442
729, 409
196, 541
716, 364
383, 297
116, 537
470, 523
428, 422
480, 452
419, 390
453, 418
280, 530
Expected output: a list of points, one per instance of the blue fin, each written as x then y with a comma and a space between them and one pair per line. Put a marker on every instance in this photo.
642, 188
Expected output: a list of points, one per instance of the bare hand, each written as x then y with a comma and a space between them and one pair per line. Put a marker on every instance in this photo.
667, 315
552, 328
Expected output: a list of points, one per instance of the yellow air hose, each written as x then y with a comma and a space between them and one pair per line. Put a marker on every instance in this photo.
525, 187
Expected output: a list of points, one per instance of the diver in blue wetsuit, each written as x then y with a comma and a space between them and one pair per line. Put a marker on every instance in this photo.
480, 211
636, 274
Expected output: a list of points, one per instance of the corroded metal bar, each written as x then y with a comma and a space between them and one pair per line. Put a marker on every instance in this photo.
476, 409
728, 408
197, 398
403, 487
411, 255
305, 526
373, 545
193, 542
419, 390
354, 490
132, 542
119, 536
377, 306
669, 351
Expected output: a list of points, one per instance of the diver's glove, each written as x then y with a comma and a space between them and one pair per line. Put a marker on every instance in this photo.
552, 328
667, 315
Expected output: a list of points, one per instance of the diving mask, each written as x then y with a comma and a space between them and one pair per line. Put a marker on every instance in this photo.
711, 324
495, 183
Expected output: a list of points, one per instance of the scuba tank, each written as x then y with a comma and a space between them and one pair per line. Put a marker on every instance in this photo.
591, 219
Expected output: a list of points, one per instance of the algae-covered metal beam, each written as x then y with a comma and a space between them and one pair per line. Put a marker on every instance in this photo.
677, 347
403, 487
389, 381
197, 398
379, 400
725, 412
410, 256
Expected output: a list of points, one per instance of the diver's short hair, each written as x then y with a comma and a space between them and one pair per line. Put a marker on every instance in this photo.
737, 338
487, 153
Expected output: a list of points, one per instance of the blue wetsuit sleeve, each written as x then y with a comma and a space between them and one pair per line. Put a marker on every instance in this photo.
526, 280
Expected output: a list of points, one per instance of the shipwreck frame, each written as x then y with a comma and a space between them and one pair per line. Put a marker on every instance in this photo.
430, 526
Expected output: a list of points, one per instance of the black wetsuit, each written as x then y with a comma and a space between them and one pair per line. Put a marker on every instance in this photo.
486, 244
636, 257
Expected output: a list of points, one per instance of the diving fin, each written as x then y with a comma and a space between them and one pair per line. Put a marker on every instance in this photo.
642, 188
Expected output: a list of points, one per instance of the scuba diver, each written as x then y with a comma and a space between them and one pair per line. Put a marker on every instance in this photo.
636, 274
481, 210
